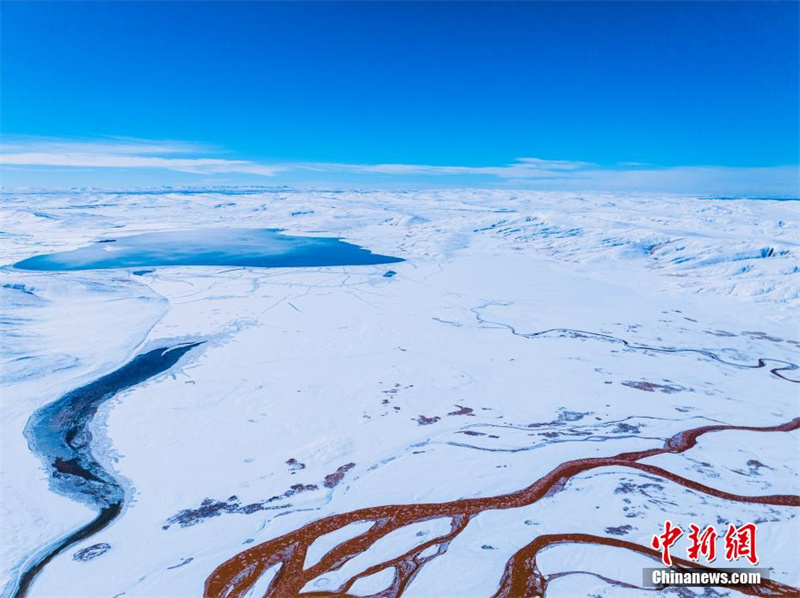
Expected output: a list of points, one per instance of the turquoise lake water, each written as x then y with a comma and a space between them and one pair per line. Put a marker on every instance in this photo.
260, 248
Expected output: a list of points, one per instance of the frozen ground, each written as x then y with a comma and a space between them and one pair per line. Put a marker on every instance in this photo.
523, 331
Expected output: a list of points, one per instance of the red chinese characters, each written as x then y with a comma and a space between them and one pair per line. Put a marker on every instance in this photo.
704, 543
741, 542
666, 540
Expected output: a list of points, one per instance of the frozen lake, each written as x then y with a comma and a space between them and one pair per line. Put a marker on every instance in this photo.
259, 248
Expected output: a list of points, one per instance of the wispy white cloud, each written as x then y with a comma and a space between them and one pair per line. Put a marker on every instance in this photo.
192, 165
630, 176
196, 159
527, 168
124, 153
103, 145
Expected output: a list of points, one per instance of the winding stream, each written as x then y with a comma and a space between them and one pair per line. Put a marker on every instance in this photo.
59, 434
237, 576
285, 556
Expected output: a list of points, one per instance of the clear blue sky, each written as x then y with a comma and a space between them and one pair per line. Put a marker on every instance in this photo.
472, 85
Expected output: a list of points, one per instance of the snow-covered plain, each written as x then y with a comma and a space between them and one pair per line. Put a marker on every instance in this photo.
523, 330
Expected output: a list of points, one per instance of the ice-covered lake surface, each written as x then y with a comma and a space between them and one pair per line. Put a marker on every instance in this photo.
257, 248
518, 389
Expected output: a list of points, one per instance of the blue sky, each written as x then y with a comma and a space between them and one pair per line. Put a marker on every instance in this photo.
674, 96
